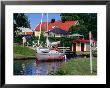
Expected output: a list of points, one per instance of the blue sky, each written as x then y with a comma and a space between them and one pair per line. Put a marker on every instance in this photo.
35, 18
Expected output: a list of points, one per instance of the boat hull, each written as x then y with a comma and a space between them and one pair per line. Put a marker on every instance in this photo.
47, 56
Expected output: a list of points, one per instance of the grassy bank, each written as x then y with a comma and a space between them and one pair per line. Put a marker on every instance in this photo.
79, 66
21, 52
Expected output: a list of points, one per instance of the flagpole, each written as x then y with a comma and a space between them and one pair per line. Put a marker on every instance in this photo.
90, 35
40, 29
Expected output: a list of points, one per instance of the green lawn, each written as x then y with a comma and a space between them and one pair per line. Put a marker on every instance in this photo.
23, 52
79, 66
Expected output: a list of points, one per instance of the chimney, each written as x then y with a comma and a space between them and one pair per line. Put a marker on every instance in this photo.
63, 20
52, 20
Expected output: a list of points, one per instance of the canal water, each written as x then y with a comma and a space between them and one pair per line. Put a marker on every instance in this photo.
34, 67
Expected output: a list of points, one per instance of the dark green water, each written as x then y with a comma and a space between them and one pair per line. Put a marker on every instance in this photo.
33, 67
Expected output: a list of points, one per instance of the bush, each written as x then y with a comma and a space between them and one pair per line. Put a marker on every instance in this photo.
95, 53
18, 39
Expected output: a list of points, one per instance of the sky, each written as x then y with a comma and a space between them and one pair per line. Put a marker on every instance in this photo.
35, 18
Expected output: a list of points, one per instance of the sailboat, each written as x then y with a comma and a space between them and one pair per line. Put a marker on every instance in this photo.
45, 53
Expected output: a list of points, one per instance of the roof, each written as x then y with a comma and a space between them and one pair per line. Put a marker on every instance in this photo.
58, 31
83, 41
64, 26
25, 29
76, 35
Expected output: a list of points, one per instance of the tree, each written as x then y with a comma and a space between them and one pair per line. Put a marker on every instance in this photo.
87, 22
20, 20
79, 29
42, 38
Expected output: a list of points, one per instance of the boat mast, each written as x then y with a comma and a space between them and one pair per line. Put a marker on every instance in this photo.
47, 22
40, 28
47, 40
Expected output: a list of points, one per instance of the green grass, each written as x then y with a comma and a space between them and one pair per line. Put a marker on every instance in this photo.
23, 52
79, 66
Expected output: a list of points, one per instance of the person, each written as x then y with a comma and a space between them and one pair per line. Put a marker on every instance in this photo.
24, 40
34, 44
27, 44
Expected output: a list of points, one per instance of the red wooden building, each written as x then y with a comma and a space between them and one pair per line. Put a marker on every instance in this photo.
82, 45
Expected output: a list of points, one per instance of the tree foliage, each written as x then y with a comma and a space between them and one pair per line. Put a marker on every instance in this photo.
87, 22
20, 20
42, 38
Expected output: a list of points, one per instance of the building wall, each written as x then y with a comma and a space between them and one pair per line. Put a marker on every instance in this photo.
84, 46
37, 33
78, 46
87, 47
72, 47
29, 33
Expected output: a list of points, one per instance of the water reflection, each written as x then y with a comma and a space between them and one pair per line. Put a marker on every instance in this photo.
34, 67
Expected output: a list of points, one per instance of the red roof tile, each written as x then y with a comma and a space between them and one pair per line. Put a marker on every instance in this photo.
65, 26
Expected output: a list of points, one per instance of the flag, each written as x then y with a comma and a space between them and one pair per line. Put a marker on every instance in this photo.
90, 35
90, 38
